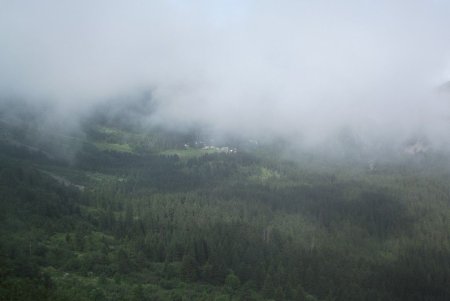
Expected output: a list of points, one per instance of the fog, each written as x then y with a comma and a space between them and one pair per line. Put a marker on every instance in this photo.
304, 70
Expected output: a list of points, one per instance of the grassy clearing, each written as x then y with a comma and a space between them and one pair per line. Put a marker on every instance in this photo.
116, 147
108, 130
263, 174
188, 153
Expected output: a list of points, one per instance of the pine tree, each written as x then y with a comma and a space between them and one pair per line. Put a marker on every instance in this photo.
268, 288
232, 282
189, 268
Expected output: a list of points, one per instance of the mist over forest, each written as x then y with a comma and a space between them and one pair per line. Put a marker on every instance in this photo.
225, 150
299, 70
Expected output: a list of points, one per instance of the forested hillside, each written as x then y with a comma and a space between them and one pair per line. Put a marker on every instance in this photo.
121, 212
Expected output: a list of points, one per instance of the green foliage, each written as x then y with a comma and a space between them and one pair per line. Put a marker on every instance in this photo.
151, 224
232, 282
189, 268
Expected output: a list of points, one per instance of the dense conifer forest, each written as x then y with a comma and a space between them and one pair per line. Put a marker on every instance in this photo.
226, 150
118, 212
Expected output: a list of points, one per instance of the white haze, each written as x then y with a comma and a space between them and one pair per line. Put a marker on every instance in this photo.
301, 69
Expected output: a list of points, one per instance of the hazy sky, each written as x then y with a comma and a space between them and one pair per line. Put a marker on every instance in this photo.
304, 67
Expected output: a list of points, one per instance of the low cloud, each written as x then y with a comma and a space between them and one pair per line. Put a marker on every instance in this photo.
303, 69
